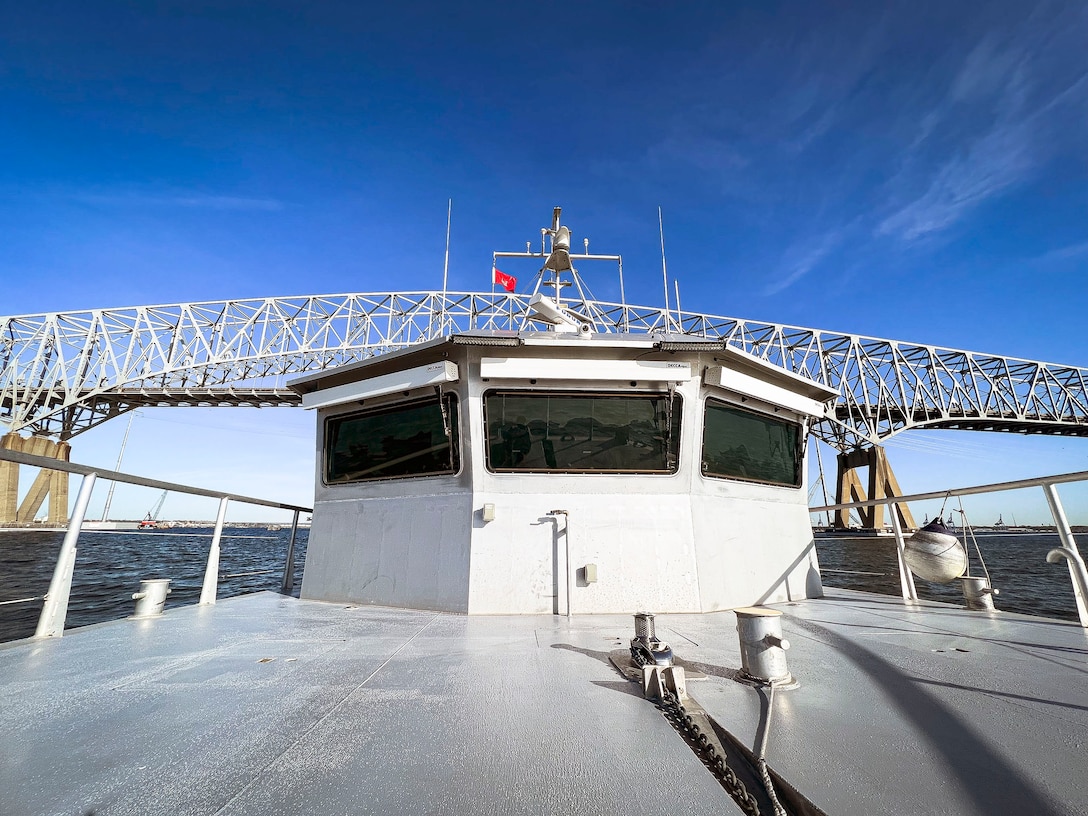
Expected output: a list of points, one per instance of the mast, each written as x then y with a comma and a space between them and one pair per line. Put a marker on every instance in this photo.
446, 269
664, 270
120, 455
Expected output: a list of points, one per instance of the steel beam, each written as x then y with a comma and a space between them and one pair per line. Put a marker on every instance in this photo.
63, 373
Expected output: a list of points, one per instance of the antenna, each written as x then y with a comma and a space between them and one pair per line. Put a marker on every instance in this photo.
664, 270
679, 319
446, 264
120, 455
555, 252
623, 301
446, 267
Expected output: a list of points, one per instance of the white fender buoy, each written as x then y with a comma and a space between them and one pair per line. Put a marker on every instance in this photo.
934, 554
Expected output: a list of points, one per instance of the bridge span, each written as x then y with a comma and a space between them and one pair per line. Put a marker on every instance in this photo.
64, 373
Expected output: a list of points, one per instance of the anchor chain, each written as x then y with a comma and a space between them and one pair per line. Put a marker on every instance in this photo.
682, 719
678, 715
702, 743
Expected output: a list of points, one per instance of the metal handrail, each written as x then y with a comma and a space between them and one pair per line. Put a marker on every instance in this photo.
996, 487
55, 607
1078, 574
129, 478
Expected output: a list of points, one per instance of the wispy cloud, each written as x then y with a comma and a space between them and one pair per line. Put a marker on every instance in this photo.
1066, 253
144, 197
854, 125
995, 127
799, 260
188, 200
996, 155
997, 159
703, 152
738, 116
985, 71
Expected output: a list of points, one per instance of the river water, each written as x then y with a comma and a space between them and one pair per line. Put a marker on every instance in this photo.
1016, 563
110, 566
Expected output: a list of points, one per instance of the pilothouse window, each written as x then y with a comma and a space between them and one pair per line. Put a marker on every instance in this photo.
407, 439
582, 433
739, 444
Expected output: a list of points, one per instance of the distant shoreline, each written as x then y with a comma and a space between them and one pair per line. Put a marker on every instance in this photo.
976, 529
164, 525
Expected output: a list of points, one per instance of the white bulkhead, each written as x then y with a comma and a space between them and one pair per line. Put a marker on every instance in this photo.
538, 473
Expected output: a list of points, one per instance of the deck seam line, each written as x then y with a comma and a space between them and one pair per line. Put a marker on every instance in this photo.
324, 716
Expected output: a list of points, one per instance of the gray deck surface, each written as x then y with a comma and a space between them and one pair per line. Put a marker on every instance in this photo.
360, 711
355, 710
925, 708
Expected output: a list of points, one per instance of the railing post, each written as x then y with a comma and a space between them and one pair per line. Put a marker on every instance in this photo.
1073, 559
289, 565
55, 610
211, 572
906, 579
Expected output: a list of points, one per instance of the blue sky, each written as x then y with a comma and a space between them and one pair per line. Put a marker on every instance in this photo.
907, 170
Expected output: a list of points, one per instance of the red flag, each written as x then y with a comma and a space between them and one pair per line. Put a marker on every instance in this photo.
507, 282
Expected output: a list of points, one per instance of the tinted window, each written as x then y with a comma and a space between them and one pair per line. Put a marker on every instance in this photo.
582, 433
740, 444
412, 439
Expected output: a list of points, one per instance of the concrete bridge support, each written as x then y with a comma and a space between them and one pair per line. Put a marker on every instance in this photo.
882, 484
51, 484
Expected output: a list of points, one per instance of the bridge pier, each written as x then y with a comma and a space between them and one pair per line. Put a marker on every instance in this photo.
882, 484
51, 484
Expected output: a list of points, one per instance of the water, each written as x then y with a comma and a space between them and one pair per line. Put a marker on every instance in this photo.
1017, 565
110, 566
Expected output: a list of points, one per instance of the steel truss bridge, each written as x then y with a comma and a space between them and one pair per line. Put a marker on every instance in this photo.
64, 373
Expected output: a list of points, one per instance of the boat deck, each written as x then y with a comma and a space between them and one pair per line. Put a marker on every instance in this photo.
270, 704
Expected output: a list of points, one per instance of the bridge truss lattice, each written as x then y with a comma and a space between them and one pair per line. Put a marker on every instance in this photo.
63, 373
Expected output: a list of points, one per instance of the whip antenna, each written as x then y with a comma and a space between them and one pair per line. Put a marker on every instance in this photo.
446, 263
664, 270
446, 266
